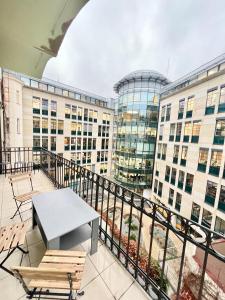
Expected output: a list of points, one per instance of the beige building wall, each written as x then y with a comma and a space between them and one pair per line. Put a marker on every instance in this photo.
199, 90
20, 106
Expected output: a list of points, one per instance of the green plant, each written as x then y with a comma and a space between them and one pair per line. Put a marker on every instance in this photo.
133, 237
133, 227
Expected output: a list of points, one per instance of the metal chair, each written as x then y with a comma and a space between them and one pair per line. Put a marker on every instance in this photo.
12, 237
24, 198
59, 270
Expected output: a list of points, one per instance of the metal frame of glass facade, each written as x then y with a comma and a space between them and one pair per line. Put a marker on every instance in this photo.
136, 129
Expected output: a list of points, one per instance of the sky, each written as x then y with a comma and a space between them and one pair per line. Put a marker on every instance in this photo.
111, 38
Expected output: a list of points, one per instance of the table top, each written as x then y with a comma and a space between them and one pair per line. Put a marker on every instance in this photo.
61, 212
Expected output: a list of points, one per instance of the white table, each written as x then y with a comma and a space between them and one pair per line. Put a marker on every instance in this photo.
65, 219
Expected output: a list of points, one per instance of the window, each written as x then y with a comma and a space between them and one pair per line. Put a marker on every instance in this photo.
187, 131
36, 105
85, 114
159, 150
164, 148
178, 131
79, 113
163, 111
215, 163
195, 131
195, 212
53, 143
189, 183
67, 111
45, 142
90, 129
219, 132
221, 107
171, 197
206, 218
44, 107
172, 132
178, 202
190, 106
53, 108
95, 116
176, 154
168, 112
36, 141
220, 225
74, 112
167, 173
202, 159
44, 125
221, 204
155, 186
161, 132
181, 179
184, 151
210, 194
53, 126
18, 126
173, 176
211, 101
90, 115
73, 128
34, 84
160, 187
66, 143
60, 126
36, 125
181, 108
51, 88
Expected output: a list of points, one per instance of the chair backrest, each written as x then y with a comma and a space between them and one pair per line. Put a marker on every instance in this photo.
19, 178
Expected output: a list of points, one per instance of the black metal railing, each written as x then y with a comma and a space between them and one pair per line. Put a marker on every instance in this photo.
167, 254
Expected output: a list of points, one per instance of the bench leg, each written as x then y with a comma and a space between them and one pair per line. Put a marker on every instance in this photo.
4, 260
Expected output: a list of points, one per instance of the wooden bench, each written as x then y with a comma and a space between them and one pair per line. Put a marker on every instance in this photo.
11, 238
58, 270
24, 198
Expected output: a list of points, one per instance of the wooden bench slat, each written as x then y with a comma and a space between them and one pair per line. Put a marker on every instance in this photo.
26, 196
65, 253
63, 259
12, 235
19, 177
79, 268
53, 284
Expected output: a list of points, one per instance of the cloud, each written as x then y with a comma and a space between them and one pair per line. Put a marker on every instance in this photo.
109, 39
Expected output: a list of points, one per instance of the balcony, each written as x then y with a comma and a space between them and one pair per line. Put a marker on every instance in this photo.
180, 115
201, 167
214, 170
194, 138
209, 110
189, 114
218, 140
183, 162
221, 107
186, 138
171, 138
188, 189
175, 160
131, 255
180, 185
209, 200
177, 138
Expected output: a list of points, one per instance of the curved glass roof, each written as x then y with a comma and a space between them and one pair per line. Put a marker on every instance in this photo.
142, 74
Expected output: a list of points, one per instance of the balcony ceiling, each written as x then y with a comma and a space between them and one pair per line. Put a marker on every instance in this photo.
31, 32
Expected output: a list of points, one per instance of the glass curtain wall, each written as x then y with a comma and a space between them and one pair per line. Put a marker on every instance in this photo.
136, 128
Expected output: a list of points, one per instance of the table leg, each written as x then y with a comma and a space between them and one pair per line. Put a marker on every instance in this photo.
94, 236
54, 244
34, 222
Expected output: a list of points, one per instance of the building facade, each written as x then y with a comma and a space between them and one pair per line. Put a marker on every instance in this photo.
189, 174
70, 122
136, 128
